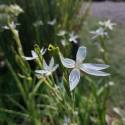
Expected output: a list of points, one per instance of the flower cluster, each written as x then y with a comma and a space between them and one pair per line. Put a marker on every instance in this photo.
76, 66
102, 31
64, 35
40, 22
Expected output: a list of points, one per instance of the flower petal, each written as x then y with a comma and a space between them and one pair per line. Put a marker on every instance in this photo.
74, 78
93, 71
33, 54
68, 63
28, 58
41, 71
55, 67
43, 51
81, 54
45, 66
51, 64
61, 33
52, 22
95, 66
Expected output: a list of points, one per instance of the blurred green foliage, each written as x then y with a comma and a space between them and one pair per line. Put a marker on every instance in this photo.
66, 13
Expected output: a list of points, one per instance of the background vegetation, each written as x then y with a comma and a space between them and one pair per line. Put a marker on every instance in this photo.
32, 31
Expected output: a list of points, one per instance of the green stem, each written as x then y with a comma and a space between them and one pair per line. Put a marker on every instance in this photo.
105, 53
51, 87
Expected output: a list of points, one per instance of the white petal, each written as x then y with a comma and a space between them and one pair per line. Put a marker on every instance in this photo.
51, 64
45, 66
43, 51
41, 71
94, 37
81, 54
101, 23
95, 66
52, 22
61, 33
33, 54
93, 71
5, 27
55, 67
63, 42
74, 78
75, 41
93, 32
28, 58
68, 63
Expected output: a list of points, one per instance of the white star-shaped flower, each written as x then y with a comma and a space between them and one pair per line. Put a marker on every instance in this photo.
61, 33
107, 24
99, 32
52, 22
73, 37
34, 54
47, 69
92, 69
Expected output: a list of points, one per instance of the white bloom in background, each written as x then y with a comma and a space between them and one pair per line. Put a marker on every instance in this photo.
120, 112
66, 120
117, 110
52, 22
61, 33
99, 32
107, 24
73, 37
34, 54
63, 42
47, 69
111, 83
38, 23
92, 69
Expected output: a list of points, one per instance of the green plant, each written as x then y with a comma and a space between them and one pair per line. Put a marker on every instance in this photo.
47, 95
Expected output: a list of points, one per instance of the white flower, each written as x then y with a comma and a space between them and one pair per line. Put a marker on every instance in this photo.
61, 33
38, 23
92, 69
107, 24
73, 37
66, 120
117, 110
34, 54
52, 22
99, 32
63, 42
111, 83
47, 69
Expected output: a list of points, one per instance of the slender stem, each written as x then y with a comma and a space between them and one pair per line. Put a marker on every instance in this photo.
51, 87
